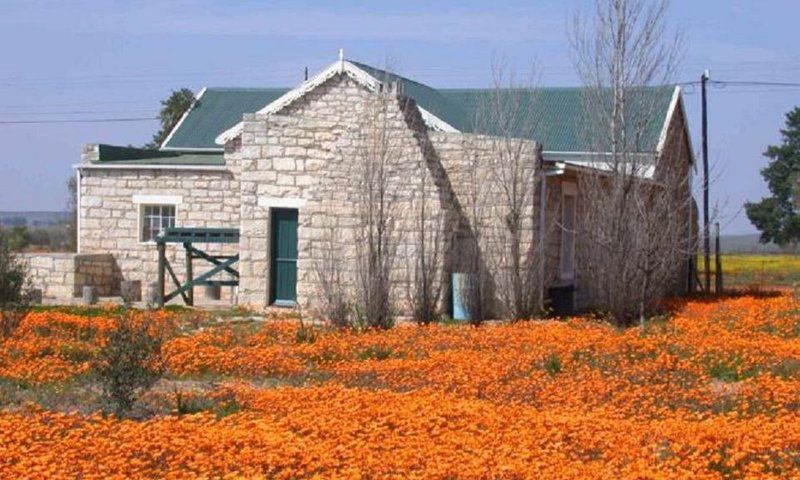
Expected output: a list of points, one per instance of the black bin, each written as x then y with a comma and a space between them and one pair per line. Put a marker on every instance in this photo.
562, 300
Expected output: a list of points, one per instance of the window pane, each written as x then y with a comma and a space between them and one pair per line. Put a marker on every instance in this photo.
155, 218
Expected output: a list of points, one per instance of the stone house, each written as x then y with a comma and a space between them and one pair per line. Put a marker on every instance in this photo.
280, 166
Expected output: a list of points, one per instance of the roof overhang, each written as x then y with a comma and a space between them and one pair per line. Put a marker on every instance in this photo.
585, 161
339, 67
150, 166
674, 104
178, 125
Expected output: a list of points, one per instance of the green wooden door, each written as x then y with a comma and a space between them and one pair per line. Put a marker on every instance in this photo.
283, 269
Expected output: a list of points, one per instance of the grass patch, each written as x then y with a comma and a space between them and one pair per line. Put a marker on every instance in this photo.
552, 365
787, 369
221, 406
376, 352
305, 334
759, 270
730, 369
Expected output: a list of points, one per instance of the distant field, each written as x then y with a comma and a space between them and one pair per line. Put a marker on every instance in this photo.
759, 270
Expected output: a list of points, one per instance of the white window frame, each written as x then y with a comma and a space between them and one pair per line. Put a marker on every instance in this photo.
568, 190
142, 201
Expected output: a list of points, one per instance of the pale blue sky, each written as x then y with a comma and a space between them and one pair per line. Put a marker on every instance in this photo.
117, 59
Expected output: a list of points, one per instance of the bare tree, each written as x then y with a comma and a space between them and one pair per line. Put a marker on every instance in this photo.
635, 204
335, 301
376, 240
474, 292
424, 258
508, 162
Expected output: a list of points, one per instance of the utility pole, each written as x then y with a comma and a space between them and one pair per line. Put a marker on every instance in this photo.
706, 232
718, 264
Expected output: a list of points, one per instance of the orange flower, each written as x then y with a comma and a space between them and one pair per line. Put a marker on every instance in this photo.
711, 393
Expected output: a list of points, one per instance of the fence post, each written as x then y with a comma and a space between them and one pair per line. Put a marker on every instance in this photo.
162, 265
189, 275
718, 287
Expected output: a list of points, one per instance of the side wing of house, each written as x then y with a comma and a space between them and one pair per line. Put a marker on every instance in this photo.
123, 204
676, 167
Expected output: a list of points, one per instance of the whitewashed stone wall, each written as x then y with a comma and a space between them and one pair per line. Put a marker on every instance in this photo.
310, 156
62, 276
473, 177
110, 218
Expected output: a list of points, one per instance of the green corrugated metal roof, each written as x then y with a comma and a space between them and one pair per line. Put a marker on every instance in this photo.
559, 121
561, 125
217, 110
207, 159
427, 97
116, 155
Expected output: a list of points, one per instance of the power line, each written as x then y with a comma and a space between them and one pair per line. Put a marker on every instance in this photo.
79, 104
743, 83
76, 112
78, 120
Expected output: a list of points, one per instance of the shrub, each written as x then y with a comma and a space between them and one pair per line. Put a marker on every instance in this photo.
129, 363
305, 334
335, 305
14, 297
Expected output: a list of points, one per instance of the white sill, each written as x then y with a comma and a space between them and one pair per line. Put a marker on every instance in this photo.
284, 304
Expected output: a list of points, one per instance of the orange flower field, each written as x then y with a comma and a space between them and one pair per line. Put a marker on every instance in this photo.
712, 391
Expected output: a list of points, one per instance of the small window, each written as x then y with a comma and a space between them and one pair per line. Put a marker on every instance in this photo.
568, 202
154, 219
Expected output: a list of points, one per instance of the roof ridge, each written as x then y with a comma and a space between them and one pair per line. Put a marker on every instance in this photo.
252, 89
393, 74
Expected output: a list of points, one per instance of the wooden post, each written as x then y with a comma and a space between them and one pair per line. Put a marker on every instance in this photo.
189, 275
718, 287
542, 221
162, 265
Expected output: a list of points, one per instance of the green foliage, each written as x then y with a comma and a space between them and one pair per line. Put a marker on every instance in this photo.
130, 363
730, 369
376, 352
172, 109
14, 297
552, 365
777, 216
191, 404
305, 334
17, 238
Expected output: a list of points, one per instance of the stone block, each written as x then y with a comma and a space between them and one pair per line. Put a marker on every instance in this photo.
89, 296
131, 290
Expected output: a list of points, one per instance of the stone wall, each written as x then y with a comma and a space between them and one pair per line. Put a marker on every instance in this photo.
110, 214
62, 276
311, 157
476, 179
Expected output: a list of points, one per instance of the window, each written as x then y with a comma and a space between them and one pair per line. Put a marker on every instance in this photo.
155, 218
568, 204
